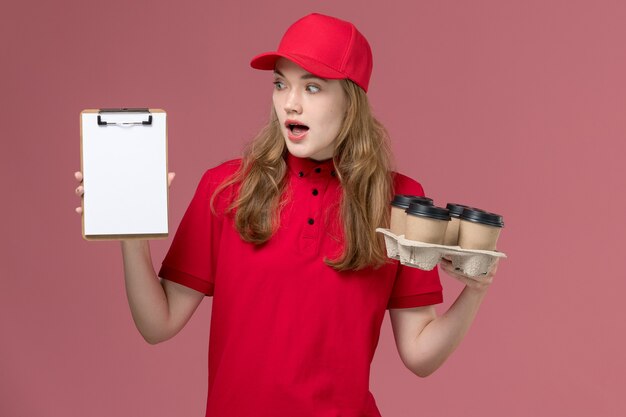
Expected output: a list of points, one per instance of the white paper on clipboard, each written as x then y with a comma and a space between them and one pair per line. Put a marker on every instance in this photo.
124, 166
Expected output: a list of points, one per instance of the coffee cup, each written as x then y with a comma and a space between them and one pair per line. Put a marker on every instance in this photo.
479, 229
426, 223
452, 231
398, 211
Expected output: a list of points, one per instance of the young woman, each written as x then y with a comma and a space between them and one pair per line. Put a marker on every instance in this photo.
284, 241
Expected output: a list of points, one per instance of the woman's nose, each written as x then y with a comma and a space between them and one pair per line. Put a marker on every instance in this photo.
293, 103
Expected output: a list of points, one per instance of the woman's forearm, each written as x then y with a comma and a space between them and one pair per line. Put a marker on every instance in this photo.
441, 336
146, 297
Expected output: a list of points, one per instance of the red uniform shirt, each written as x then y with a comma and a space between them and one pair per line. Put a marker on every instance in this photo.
290, 336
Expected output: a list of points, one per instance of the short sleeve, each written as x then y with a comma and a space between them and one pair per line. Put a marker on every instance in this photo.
413, 287
191, 258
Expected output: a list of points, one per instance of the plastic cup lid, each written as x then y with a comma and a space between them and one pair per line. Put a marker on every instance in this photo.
424, 210
403, 200
481, 216
456, 209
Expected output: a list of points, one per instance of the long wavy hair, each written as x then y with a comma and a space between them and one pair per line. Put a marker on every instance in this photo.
362, 159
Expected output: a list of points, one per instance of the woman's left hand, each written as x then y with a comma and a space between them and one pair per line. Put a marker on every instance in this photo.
480, 282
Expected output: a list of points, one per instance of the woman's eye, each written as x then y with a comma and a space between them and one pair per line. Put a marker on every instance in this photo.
279, 85
313, 88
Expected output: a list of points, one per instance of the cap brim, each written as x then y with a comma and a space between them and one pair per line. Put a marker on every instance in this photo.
267, 61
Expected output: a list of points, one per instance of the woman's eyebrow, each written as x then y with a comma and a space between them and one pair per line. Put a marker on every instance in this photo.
306, 76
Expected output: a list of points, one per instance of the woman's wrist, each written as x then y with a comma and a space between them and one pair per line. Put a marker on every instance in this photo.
477, 288
132, 247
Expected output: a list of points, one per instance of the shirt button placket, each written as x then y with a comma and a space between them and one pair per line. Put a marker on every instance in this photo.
314, 184
316, 203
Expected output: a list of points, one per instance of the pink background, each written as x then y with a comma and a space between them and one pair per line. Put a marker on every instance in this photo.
515, 107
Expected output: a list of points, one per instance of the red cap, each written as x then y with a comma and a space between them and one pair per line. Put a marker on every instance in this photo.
324, 46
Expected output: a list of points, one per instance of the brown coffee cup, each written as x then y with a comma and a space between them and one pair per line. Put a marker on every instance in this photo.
426, 223
398, 211
479, 229
452, 231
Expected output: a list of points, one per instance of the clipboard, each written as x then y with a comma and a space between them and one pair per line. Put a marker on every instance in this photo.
124, 164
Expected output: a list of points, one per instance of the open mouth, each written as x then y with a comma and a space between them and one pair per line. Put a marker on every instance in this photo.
297, 129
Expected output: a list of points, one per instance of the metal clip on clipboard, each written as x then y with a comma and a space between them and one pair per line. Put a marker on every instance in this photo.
102, 113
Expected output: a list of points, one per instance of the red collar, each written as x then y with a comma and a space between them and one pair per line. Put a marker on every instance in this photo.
305, 167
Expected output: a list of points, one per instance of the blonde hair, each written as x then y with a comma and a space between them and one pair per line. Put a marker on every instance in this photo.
362, 161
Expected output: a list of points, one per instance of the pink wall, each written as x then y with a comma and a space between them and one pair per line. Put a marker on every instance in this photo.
516, 107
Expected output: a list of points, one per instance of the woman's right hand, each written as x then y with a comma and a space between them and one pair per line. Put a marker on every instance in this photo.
80, 190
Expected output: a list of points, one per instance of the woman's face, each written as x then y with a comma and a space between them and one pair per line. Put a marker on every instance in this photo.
310, 110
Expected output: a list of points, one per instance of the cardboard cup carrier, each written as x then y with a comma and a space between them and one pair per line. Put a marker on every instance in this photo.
465, 235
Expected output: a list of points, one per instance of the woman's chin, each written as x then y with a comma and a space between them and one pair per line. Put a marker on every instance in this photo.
298, 150
303, 151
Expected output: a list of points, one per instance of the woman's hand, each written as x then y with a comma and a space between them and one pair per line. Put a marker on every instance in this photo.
480, 282
79, 191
